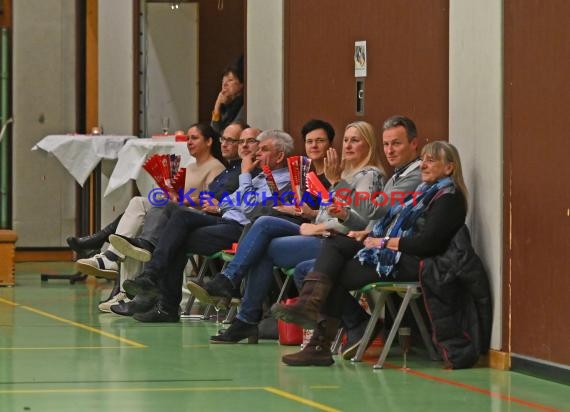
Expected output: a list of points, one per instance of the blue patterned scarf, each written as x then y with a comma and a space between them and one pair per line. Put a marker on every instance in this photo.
399, 222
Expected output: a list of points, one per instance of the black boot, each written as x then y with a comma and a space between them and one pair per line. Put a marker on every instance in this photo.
318, 350
305, 311
87, 246
237, 331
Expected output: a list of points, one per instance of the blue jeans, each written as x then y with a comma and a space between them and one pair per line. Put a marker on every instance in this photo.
301, 271
284, 251
254, 245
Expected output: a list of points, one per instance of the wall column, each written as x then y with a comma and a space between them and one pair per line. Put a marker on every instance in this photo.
264, 45
476, 128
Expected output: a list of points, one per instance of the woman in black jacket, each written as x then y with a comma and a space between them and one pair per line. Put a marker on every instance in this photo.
422, 226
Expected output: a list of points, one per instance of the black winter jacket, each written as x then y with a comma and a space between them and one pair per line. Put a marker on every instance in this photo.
457, 297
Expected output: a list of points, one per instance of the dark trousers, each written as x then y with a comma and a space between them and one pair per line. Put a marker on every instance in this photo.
336, 260
187, 231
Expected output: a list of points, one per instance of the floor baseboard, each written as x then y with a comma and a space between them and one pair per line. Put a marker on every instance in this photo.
43, 255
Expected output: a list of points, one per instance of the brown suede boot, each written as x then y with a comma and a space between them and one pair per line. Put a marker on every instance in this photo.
305, 311
318, 350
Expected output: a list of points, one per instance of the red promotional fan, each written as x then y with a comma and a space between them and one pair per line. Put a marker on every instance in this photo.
270, 179
154, 168
164, 169
179, 179
298, 169
316, 187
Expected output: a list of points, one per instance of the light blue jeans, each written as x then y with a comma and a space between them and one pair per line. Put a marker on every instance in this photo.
270, 242
301, 271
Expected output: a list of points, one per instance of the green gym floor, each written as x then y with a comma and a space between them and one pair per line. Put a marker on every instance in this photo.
59, 353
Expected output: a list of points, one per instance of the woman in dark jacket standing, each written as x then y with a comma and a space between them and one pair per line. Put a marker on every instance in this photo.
421, 227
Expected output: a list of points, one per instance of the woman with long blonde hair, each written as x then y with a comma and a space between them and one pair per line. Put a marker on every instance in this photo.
422, 226
362, 131
266, 246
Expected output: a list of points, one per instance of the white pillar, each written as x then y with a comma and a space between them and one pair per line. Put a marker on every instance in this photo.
265, 63
476, 128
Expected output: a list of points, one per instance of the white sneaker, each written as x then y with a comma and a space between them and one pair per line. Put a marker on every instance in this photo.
119, 297
99, 266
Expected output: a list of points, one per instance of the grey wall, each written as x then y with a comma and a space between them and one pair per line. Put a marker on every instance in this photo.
43, 103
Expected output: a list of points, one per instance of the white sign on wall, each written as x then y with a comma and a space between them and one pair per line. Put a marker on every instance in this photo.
360, 58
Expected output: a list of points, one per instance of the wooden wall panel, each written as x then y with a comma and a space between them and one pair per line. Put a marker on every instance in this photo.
5, 13
407, 44
222, 40
537, 171
92, 66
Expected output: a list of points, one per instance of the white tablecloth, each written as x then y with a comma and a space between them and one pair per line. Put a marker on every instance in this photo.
80, 154
135, 152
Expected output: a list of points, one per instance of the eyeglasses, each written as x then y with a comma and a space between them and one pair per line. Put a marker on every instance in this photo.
247, 141
228, 140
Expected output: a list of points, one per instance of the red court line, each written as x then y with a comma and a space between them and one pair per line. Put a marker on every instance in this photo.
487, 392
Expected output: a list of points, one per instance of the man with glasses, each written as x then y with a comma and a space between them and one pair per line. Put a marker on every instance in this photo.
242, 144
204, 234
227, 181
141, 247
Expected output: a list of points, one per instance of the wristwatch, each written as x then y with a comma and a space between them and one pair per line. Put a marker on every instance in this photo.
384, 243
219, 210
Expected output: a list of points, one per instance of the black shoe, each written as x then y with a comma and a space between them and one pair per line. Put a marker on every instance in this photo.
87, 246
220, 286
74, 244
237, 331
218, 292
139, 304
144, 284
158, 313
137, 248
354, 338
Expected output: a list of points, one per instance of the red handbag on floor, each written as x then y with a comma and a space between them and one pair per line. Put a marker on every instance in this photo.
289, 333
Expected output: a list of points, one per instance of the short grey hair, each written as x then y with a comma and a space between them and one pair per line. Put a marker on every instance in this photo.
405, 122
283, 141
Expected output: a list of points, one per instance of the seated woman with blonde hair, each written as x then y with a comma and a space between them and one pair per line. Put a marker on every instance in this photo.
274, 241
421, 227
